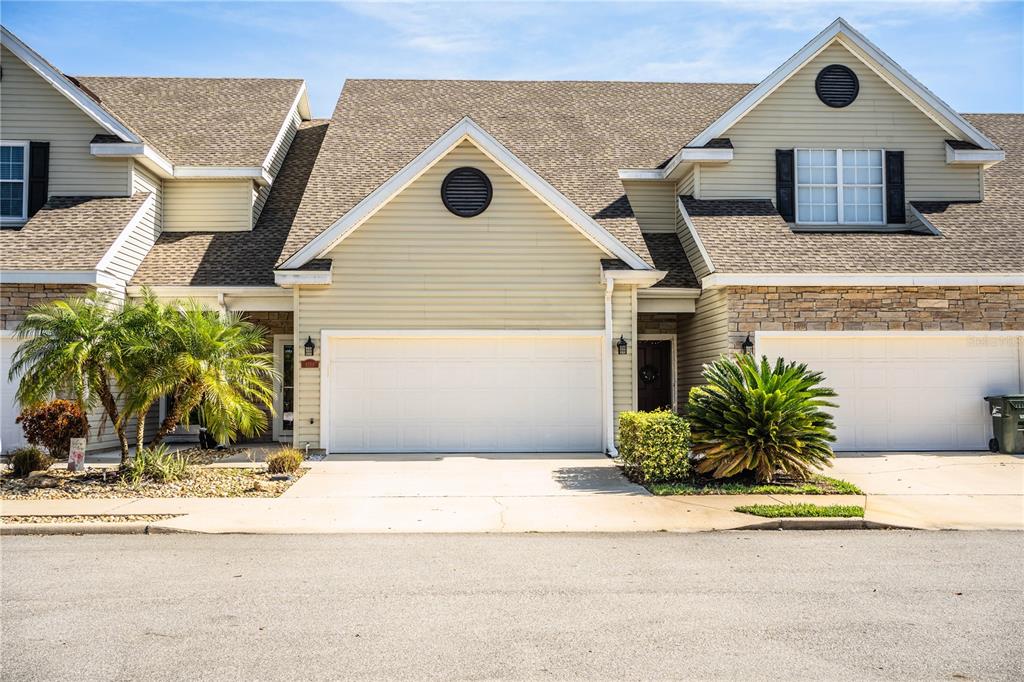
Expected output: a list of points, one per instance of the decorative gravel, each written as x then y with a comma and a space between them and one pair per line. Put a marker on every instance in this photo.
91, 518
100, 484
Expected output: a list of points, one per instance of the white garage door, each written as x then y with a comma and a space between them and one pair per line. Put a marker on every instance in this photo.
11, 435
908, 392
456, 394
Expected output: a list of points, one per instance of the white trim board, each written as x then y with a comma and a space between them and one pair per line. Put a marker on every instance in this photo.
300, 104
705, 256
874, 58
64, 86
866, 279
59, 277
466, 129
125, 234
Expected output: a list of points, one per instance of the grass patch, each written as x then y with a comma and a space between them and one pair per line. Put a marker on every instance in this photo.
804, 509
816, 485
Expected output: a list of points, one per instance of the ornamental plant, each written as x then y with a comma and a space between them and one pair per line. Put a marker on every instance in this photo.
756, 416
53, 425
654, 446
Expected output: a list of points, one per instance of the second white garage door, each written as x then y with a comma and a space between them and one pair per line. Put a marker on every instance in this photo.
908, 392
458, 394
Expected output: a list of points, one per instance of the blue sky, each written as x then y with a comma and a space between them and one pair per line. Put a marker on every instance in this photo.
970, 53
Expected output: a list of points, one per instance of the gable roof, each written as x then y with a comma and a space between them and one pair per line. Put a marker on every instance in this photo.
466, 129
875, 59
573, 134
67, 87
749, 236
201, 121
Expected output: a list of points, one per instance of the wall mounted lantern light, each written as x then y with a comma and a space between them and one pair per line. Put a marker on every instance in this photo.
309, 346
622, 345
748, 346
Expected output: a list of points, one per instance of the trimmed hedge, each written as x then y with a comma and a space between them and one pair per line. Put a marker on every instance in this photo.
654, 446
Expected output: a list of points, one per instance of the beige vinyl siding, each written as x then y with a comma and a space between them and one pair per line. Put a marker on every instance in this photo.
277, 155
686, 186
690, 248
34, 110
623, 371
652, 204
703, 336
140, 240
414, 265
207, 206
880, 118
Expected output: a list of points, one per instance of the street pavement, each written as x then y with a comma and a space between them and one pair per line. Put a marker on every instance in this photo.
734, 605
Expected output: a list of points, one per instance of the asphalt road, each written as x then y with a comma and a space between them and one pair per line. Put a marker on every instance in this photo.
790, 605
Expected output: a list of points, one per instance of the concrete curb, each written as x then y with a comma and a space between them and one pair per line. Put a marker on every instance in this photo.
819, 523
87, 528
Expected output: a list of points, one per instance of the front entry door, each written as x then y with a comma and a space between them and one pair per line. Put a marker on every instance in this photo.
654, 382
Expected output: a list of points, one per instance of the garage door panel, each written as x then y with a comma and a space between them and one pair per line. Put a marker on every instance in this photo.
913, 392
465, 394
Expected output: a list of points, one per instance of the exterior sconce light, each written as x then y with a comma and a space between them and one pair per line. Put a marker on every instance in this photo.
748, 346
622, 345
309, 346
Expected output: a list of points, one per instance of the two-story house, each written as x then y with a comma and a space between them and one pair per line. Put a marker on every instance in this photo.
490, 266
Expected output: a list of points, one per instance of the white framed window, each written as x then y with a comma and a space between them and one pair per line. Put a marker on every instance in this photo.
13, 181
840, 187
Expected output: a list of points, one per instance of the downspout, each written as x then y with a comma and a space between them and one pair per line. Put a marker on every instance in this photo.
609, 407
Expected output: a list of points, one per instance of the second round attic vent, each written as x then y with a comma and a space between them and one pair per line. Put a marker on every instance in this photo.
466, 192
837, 86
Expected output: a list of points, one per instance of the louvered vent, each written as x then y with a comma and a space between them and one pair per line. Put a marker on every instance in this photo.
837, 86
466, 192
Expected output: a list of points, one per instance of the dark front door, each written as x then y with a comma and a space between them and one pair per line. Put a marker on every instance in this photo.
655, 375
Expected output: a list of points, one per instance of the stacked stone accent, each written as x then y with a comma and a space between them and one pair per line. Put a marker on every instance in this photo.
963, 308
16, 299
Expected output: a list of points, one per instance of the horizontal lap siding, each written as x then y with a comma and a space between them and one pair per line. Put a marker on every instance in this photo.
653, 205
140, 240
880, 118
277, 155
693, 254
703, 337
414, 265
33, 110
207, 206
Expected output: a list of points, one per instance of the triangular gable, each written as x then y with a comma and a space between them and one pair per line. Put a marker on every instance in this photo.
62, 84
872, 57
466, 129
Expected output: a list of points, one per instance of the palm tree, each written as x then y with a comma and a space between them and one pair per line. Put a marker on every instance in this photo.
145, 327
72, 348
216, 363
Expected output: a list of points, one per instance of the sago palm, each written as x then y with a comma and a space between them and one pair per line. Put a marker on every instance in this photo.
761, 417
72, 348
216, 363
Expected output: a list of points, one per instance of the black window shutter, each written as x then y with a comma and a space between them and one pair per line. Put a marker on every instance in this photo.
895, 195
38, 175
785, 172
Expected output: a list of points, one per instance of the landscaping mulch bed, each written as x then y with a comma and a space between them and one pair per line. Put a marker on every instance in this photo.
59, 484
816, 485
89, 518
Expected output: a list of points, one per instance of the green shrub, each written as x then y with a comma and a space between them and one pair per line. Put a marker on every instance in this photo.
28, 459
284, 461
155, 464
654, 446
759, 417
53, 425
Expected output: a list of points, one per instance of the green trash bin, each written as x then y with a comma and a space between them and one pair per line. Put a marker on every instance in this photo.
1007, 423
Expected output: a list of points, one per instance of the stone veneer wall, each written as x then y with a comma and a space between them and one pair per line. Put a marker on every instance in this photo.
280, 322
967, 308
16, 299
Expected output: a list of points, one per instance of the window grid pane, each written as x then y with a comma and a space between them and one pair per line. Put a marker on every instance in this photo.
11, 199
819, 193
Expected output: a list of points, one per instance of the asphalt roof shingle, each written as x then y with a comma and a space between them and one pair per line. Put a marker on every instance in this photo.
238, 258
200, 121
68, 233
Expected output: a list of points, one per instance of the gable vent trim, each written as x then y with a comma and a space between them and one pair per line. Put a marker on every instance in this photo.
466, 191
837, 86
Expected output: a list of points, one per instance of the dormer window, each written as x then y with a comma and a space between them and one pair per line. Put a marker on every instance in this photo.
13, 181
840, 187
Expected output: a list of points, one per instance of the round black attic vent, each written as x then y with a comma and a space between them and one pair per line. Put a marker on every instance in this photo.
837, 86
466, 192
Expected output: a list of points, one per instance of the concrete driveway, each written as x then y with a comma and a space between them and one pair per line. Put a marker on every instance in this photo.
963, 490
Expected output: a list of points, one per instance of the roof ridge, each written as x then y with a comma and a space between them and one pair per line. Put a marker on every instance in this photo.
542, 81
